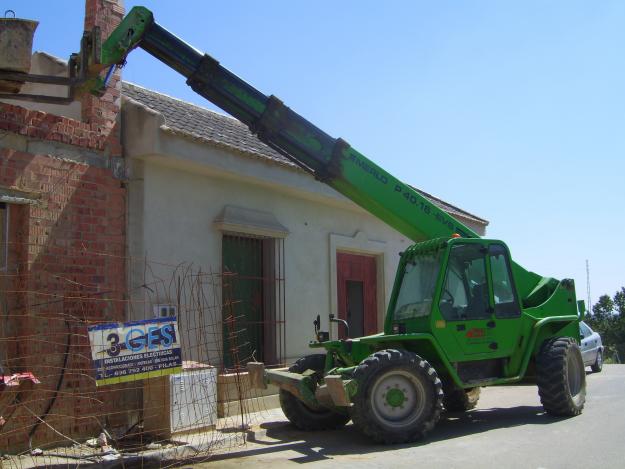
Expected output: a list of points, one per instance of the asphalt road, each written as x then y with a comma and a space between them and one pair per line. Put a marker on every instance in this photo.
508, 429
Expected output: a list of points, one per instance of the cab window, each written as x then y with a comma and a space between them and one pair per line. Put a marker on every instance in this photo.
506, 304
417, 288
465, 291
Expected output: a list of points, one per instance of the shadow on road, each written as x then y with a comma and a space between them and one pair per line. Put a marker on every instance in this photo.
459, 424
317, 446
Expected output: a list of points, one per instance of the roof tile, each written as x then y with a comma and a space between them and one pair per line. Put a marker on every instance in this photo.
198, 122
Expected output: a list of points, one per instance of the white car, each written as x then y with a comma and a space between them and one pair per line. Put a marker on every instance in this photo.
592, 348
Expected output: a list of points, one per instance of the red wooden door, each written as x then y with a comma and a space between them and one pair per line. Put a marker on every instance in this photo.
357, 298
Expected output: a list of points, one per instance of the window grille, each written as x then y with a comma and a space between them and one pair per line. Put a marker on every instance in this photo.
253, 300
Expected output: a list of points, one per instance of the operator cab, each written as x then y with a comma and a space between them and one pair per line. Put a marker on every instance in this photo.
462, 292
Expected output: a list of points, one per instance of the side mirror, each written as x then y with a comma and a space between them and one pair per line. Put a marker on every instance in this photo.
320, 335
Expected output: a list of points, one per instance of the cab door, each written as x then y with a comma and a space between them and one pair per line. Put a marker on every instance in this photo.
479, 312
510, 330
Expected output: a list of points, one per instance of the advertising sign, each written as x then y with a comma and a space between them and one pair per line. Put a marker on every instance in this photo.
135, 350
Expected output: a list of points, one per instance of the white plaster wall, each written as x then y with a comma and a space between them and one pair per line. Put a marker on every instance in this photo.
180, 206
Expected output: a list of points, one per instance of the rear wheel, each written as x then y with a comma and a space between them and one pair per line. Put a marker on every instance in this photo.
598, 365
399, 397
561, 377
302, 415
461, 400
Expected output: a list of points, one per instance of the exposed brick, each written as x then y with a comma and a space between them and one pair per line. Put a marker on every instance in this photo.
44, 126
70, 246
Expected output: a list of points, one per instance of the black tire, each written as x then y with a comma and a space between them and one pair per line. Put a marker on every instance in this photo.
382, 416
303, 416
598, 365
461, 400
561, 377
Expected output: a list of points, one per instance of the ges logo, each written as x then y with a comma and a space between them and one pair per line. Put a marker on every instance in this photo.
138, 340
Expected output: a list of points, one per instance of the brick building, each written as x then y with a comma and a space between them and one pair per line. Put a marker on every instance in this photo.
62, 211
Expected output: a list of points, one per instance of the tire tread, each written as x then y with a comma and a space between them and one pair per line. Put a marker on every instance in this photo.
362, 415
552, 377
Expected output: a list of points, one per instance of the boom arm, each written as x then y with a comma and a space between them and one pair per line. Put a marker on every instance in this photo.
330, 160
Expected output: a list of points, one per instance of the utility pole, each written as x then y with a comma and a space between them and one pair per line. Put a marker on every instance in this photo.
589, 308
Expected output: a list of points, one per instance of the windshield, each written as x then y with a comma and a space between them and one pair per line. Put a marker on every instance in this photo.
417, 287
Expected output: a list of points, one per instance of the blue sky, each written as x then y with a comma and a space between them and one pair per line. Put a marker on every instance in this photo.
515, 112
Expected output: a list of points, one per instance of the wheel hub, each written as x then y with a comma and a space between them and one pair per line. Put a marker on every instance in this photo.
395, 397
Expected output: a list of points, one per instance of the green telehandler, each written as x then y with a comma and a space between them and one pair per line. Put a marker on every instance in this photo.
462, 313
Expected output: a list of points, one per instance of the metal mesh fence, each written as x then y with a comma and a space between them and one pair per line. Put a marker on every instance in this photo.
55, 411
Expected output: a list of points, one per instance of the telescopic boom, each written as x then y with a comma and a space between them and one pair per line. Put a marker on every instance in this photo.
331, 160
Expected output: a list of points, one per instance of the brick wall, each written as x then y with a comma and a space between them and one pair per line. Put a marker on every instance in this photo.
42, 126
102, 112
66, 264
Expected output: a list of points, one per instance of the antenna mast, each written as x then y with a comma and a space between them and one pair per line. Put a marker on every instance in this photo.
588, 285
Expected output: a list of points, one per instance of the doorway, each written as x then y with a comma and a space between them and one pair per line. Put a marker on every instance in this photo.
357, 293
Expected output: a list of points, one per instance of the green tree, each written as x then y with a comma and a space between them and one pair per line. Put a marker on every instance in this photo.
608, 319
619, 302
602, 315
604, 308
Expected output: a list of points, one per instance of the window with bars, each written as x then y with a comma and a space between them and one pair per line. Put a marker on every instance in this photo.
253, 300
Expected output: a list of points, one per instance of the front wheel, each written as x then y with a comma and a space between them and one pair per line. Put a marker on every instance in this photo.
561, 377
399, 397
302, 415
